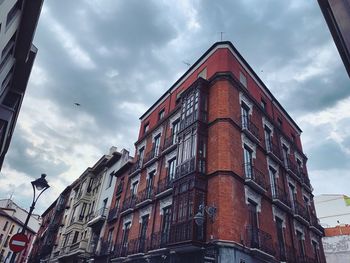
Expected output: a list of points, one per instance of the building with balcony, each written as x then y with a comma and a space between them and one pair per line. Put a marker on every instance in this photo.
98, 217
18, 20
219, 174
50, 230
12, 219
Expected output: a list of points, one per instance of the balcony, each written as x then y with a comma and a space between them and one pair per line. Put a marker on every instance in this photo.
292, 169
260, 242
274, 151
113, 214
151, 155
106, 248
145, 197
281, 251
300, 212
168, 144
315, 225
159, 240
136, 167
119, 188
250, 129
181, 232
164, 187
254, 178
128, 205
185, 168
306, 182
281, 198
97, 218
137, 246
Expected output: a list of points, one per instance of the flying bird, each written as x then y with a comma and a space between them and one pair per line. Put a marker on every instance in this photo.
77, 104
186, 63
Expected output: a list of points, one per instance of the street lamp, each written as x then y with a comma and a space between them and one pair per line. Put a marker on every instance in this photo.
200, 216
40, 185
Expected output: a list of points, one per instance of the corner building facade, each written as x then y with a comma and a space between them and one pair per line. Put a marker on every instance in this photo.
217, 138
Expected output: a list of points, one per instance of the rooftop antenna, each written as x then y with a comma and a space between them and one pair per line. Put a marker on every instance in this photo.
186, 63
11, 195
221, 34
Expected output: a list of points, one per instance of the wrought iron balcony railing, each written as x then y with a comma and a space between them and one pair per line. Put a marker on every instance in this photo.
249, 126
158, 240
280, 197
254, 177
261, 240
128, 203
164, 184
153, 153
301, 211
186, 167
146, 194
119, 188
274, 150
136, 166
181, 232
113, 214
168, 143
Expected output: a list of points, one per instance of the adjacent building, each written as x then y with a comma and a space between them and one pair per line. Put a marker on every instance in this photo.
337, 15
12, 219
18, 20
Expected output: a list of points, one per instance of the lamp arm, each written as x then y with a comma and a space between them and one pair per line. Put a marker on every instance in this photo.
40, 194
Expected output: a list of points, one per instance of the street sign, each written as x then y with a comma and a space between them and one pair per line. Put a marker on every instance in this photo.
18, 242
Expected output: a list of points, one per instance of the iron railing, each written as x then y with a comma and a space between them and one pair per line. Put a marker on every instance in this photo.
136, 166
180, 232
145, 194
186, 167
274, 149
279, 194
164, 184
113, 214
260, 239
119, 188
252, 173
248, 125
301, 211
153, 153
158, 240
168, 143
103, 212
128, 203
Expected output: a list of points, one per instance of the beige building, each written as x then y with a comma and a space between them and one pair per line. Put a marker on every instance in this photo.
12, 218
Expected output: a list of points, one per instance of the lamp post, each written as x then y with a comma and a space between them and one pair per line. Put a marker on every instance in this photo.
199, 218
40, 185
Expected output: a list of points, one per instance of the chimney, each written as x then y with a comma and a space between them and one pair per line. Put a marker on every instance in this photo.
112, 150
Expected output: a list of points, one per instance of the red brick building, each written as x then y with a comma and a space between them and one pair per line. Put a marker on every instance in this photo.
217, 146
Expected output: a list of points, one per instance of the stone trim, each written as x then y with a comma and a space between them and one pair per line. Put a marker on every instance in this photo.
267, 124
252, 195
280, 214
145, 211
158, 131
127, 219
246, 141
164, 203
170, 156
243, 98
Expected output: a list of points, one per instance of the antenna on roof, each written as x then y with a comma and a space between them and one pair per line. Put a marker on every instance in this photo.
221, 34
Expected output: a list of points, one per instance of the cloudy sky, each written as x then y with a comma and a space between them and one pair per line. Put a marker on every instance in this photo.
116, 58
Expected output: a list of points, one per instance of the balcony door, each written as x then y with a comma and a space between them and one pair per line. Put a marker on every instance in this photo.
143, 232
245, 116
149, 187
166, 225
280, 239
273, 180
253, 222
248, 162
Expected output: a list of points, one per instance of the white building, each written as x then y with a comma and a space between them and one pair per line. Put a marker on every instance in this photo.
333, 209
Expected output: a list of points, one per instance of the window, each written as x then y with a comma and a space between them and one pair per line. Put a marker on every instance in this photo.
280, 238
6, 241
248, 161
253, 220
268, 138
299, 166
273, 179
166, 222
171, 169
149, 185
5, 226
141, 154
125, 236
145, 128
156, 144
75, 237
301, 244
161, 114
105, 201
316, 251
1, 237
82, 212
243, 79
143, 232
263, 104
134, 188
175, 129
12, 13
292, 194
12, 227
109, 237
187, 146
110, 180
293, 138
245, 116
66, 240
285, 151
117, 203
